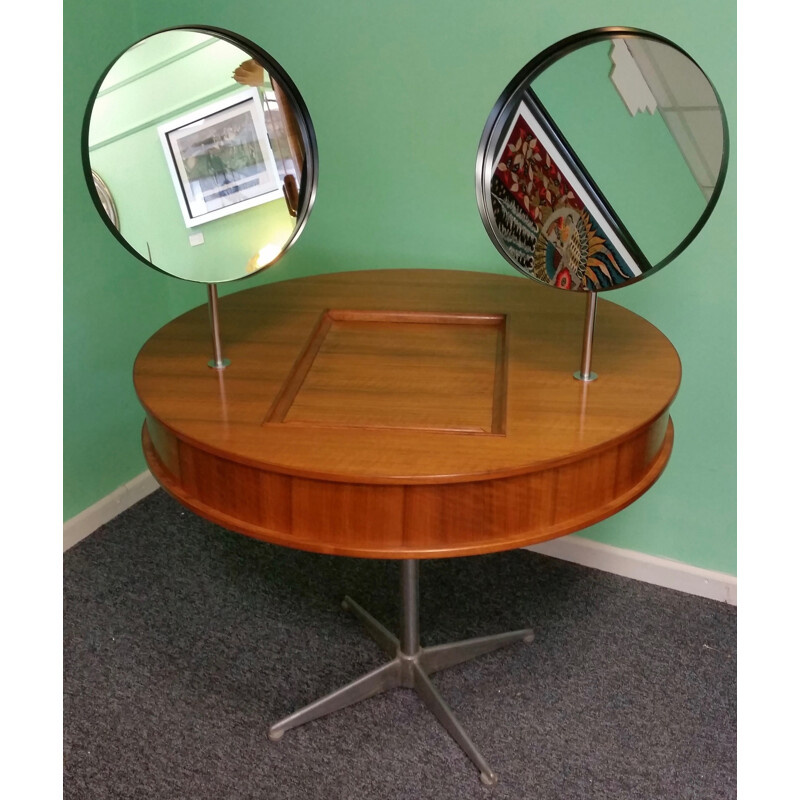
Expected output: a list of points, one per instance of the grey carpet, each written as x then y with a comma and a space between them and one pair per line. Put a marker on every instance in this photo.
183, 642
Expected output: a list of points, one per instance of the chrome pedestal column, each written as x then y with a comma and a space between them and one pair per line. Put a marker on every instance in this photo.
410, 667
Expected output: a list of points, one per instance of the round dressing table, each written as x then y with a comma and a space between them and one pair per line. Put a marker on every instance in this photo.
409, 414
406, 414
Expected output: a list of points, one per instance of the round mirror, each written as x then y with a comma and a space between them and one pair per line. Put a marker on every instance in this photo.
601, 160
210, 150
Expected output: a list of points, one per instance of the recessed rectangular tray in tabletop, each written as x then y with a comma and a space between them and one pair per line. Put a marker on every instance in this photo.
382, 369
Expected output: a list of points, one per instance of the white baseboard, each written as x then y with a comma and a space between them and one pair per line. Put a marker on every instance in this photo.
577, 549
104, 510
650, 569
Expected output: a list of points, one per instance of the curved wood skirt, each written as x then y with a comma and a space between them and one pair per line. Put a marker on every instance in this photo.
411, 521
406, 413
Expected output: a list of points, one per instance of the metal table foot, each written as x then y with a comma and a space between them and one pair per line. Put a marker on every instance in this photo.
375, 682
410, 667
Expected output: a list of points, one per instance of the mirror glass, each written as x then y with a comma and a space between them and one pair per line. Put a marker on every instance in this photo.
209, 151
602, 160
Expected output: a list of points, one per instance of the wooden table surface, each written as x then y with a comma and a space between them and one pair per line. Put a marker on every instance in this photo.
406, 413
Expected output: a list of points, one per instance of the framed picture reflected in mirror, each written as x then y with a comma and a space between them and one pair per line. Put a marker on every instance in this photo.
220, 158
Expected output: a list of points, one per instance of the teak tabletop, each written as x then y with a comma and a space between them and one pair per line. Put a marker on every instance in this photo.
406, 413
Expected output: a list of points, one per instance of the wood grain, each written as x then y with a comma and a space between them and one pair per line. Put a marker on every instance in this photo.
406, 413
442, 372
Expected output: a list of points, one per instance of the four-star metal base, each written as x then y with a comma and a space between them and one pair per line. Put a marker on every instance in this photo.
410, 667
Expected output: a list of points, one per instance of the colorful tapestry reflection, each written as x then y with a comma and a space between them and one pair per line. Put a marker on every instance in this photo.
544, 222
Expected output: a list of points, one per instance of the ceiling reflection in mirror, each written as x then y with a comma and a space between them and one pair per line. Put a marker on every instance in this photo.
210, 150
602, 160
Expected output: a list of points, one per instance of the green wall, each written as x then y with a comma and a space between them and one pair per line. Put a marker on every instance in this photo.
399, 93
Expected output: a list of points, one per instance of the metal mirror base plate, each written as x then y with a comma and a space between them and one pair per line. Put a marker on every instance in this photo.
409, 668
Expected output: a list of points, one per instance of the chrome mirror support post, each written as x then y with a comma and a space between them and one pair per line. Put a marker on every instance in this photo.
585, 372
218, 362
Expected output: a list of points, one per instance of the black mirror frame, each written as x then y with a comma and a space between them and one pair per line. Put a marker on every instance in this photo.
310, 173
518, 90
